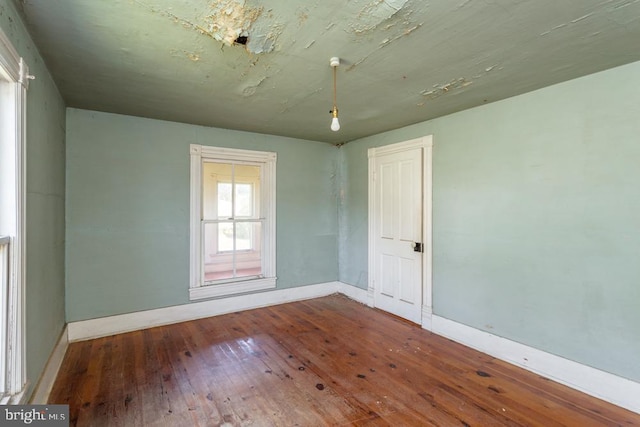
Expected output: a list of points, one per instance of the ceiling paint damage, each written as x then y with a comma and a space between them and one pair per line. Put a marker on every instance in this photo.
439, 90
375, 13
391, 18
229, 20
233, 22
264, 66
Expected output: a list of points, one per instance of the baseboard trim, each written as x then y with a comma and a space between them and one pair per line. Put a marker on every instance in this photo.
603, 385
353, 292
105, 326
427, 316
43, 388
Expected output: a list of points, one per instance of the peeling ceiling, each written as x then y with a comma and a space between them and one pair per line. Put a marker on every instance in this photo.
263, 66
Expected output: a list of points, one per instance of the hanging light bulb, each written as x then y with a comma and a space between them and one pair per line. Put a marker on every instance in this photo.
335, 124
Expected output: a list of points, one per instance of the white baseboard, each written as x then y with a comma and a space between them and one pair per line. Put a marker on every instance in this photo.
603, 385
427, 318
355, 293
45, 383
104, 326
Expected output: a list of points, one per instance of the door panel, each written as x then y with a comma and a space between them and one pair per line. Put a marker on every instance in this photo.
409, 214
387, 202
407, 274
389, 272
397, 226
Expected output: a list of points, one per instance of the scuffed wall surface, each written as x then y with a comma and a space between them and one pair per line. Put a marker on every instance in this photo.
535, 207
45, 315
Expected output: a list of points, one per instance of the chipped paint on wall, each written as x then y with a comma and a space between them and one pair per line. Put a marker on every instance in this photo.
441, 89
376, 13
229, 19
385, 42
392, 18
233, 22
404, 33
193, 56
263, 37
486, 71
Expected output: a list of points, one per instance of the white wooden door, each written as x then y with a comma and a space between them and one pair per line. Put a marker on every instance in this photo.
397, 230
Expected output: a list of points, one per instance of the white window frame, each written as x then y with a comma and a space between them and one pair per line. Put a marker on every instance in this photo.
15, 73
198, 289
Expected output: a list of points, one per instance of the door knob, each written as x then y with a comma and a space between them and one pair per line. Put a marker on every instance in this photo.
417, 247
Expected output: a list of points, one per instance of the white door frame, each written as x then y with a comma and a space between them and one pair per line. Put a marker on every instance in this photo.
426, 144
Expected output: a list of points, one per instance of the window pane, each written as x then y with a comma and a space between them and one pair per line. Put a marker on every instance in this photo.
221, 261
244, 236
244, 200
248, 249
247, 180
216, 267
225, 237
224, 200
216, 190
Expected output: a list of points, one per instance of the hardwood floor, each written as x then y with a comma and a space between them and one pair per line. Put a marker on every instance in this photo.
328, 361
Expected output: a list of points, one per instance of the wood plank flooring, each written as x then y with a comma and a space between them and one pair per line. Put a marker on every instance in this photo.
323, 362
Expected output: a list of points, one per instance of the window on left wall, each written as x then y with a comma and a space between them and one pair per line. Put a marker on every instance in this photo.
232, 221
14, 82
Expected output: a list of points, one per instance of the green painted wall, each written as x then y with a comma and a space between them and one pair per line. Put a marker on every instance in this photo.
45, 288
536, 210
128, 210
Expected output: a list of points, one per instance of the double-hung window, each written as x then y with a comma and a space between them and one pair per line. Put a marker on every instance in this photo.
232, 221
14, 81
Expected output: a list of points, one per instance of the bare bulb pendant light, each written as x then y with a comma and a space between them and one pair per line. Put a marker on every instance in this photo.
335, 124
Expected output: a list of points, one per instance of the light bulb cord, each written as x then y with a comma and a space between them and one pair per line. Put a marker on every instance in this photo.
335, 102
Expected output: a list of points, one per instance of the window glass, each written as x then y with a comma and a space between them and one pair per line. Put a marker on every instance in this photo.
232, 244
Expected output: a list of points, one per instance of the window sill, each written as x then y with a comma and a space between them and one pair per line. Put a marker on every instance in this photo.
213, 291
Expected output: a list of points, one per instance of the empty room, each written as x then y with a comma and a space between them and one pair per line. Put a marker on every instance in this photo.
363, 212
